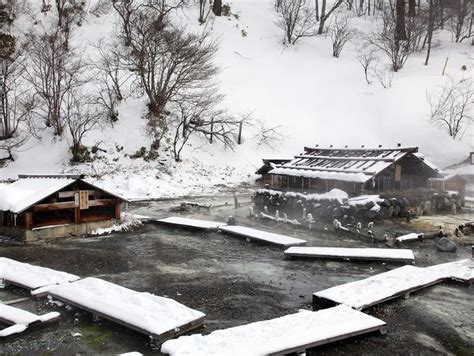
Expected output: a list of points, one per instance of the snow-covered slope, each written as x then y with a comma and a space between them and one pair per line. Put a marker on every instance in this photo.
313, 97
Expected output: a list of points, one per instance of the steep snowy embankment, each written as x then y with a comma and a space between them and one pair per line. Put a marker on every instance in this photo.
313, 97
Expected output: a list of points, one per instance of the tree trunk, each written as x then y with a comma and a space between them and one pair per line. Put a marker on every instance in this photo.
322, 18
430, 30
217, 7
400, 28
316, 6
411, 8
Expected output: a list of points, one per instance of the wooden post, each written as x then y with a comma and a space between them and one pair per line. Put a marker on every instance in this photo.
117, 211
239, 139
29, 220
77, 215
212, 130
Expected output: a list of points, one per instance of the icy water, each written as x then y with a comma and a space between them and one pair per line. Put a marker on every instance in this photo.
234, 282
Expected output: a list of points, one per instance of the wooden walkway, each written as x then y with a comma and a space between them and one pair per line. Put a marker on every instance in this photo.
366, 254
21, 321
193, 224
157, 317
285, 335
261, 236
400, 282
27, 276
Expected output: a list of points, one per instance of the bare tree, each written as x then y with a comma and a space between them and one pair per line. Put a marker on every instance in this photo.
111, 78
53, 70
200, 116
340, 33
452, 106
386, 38
267, 135
296, 19
169, 63
81, 114
460, 17
382, 74
325, 15
366, 55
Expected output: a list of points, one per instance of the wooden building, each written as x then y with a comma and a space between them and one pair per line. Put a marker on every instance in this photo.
353, 170
37, 206
460, 176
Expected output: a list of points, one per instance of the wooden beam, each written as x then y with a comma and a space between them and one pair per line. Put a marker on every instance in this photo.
102, 202
29, 220
379, 159
70, 194
322, 169
77, 215
117, 211
54, 206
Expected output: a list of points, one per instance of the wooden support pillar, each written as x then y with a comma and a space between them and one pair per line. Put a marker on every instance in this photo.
77, 215
29, 220
117, 211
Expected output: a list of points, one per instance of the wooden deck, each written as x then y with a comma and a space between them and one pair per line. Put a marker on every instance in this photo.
156, 339
363, 254
288, 334
157, 317
261, 236
399, 282
186, 223
21, 322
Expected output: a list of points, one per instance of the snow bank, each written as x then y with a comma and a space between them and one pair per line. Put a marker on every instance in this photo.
276, 335
30, 276
373, 290
128, 222
259, 235
192, 223
364, 200
151, 314
352, 253
333, 195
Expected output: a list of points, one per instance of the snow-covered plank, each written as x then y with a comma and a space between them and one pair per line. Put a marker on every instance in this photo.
191, 223
462, 270
160, 318
31, 277
20, 320
263, 236
395, 283
409, 237
376, 254
284, 335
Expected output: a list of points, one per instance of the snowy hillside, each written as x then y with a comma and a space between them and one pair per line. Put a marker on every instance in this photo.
312, 97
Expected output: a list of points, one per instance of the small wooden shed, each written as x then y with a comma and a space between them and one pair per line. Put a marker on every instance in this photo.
38, 206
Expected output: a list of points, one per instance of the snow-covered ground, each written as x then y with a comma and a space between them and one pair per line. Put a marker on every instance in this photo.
313, 97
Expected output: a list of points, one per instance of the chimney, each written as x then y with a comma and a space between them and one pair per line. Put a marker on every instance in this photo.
399, 144
380, 146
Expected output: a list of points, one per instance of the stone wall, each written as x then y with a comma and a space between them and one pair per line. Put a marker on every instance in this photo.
369, 207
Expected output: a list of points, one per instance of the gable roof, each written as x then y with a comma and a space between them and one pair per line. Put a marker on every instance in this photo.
29, 190
346, 164
269, 164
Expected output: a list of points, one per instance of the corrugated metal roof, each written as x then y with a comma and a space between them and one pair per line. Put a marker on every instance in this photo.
345, 164
25, 192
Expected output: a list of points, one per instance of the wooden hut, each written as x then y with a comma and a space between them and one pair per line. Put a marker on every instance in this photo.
39, 206
353, 170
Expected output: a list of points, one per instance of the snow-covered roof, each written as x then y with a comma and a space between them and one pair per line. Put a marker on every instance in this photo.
345, 164
25, 192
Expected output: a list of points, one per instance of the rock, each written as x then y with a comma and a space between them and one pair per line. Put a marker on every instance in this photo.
444, 244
